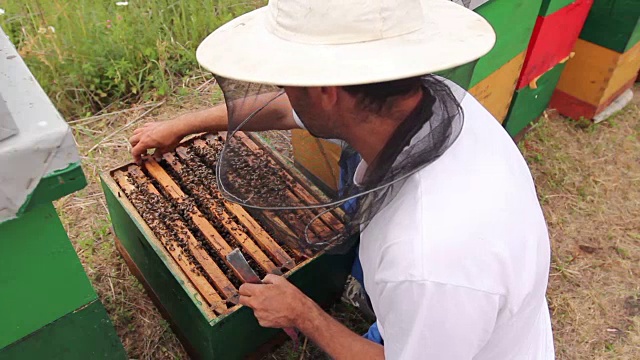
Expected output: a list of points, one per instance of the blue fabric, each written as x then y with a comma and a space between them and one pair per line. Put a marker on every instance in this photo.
349, 161
356, 271
374, 334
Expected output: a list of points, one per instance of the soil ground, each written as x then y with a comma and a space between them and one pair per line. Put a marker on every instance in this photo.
588, 180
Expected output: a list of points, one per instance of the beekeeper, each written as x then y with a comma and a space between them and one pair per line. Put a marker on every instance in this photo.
454, 246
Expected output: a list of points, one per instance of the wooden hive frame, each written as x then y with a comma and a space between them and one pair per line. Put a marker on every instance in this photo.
197, 294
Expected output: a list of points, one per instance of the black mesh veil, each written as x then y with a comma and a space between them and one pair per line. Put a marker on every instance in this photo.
297, 214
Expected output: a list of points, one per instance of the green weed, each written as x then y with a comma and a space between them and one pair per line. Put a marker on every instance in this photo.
622, 252
561, 267
583, 123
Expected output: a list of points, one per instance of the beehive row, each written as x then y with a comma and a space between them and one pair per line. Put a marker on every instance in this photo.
577, 56
492, 79
178, 199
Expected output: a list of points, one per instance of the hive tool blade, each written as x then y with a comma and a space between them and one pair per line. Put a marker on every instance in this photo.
240, 264
238, 261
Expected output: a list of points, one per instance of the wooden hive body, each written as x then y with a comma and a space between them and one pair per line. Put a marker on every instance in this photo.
530, 102
496, 91
594, 78
513, 22
317, 158
614, 24
606, 63
196, 299
48, 308
551, 6
553, 39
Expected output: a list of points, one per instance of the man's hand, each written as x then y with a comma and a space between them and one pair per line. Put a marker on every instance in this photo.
165, 136
276, 303
162, 136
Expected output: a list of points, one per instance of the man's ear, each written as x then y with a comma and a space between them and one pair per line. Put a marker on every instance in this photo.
328, 96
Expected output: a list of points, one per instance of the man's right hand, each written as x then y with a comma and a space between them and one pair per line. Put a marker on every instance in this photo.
166, 136
161, 136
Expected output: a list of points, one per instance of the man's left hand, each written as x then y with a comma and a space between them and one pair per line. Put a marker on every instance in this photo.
276, 303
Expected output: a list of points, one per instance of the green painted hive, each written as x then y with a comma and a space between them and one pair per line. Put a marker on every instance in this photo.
551, 6
513, 22
48, 309
197, 301
529, 103
614, 24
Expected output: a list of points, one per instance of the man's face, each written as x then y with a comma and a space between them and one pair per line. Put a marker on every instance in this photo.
316, 112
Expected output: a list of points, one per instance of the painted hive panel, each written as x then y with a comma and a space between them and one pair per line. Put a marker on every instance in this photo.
513, 21
595, 73
625, 71
594, 79
42, 278
317, 157
529, 103
496, 91
551, 6
86, 333
553, 40
614, 24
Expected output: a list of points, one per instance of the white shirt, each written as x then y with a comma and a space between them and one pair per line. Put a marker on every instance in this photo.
456, 265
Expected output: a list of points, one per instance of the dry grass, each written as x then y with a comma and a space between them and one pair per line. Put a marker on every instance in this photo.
588, 180
589, 183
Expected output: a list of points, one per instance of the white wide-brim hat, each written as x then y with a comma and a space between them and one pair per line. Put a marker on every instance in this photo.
345, 42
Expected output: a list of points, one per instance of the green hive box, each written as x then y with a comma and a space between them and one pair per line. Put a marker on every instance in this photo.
48, 308
206, 332
529, 104
624, 34
513, 22
47, 305
551, 6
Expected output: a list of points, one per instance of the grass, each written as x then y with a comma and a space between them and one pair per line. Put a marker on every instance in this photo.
90, 54
588, 180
